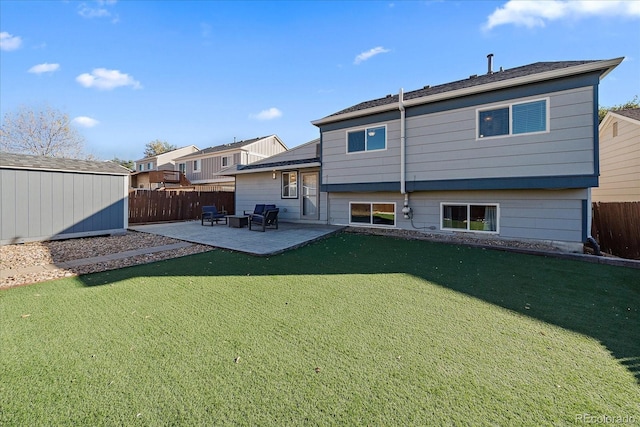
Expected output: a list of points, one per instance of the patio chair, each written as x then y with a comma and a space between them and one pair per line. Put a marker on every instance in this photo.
211, 214
269, 219
259, 210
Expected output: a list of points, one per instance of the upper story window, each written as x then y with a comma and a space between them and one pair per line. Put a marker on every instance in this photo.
514, 119
149, 166
225, 161
369, 139
182, 168
196, 165
140, 167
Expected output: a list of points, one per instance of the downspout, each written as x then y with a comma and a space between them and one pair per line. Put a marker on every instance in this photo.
406, 210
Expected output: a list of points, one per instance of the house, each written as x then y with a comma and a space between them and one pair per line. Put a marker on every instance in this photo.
160, 171
291, 180
510, 154
619, 157
44, 198
202, 168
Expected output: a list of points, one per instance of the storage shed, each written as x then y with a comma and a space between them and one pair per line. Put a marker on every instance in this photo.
44, 198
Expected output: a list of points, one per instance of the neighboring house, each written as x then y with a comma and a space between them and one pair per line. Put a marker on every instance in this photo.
45, 198
619, 157
290, 180
203, 167
511, 154
160, 171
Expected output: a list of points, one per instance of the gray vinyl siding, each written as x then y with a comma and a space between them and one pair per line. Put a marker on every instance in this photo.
443, 146
44, 205
260, 187
555, 216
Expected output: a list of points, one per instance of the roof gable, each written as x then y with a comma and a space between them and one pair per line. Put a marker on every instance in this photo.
25, 161
228, 147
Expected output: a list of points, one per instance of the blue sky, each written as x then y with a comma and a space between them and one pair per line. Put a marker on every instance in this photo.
206, 72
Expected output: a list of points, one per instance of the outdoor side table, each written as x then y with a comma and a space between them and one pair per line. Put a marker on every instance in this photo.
238, 221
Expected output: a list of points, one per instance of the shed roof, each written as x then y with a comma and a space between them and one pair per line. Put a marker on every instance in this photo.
25, 161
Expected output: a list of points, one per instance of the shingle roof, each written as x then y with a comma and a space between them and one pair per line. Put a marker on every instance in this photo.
223, 147
25, 161
632, 113
280, 163
475, 80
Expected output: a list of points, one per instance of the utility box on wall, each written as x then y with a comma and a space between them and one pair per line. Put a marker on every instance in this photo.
43, 198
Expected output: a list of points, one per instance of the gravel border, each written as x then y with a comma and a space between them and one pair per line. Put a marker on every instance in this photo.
47, 254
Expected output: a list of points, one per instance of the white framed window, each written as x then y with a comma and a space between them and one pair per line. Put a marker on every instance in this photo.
473, 217
290, 185
513, 119
367, 139
381, 214
140, 167
196, 165
149, 166
226, 161
182, 168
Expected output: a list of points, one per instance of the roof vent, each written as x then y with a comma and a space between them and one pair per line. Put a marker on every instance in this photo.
388, 96
426, 87
490, 63
473, 76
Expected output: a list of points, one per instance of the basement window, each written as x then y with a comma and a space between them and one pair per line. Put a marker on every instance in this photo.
482, 218
368, 213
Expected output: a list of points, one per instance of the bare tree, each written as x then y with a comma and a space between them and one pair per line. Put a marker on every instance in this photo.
43, 131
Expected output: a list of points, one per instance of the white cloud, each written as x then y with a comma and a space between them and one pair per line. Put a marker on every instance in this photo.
44, 68
537, 13
269, 114
369, 54
100, 11
103, 79
9, 42
85, 122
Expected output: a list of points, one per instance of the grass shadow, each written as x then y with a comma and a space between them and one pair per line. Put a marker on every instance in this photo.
599, 301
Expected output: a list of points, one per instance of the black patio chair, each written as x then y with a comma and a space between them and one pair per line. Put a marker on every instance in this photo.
269, 219
211, 214
257, 210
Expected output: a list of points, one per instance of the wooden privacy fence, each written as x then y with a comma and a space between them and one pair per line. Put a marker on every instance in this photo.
616, 227
158, 206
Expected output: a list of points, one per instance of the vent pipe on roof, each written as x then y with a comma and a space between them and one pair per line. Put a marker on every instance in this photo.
490, 63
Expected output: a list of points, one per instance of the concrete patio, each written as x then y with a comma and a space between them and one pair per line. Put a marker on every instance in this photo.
272, 241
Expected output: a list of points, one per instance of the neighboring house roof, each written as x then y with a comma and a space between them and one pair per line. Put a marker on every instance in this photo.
474, 84
25, 161
144, 159
226, 147
276, 162
631, 113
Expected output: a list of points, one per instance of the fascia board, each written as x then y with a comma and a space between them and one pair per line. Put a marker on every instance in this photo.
275, 168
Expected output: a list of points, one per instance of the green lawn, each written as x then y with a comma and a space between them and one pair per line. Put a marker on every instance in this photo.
352, 330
